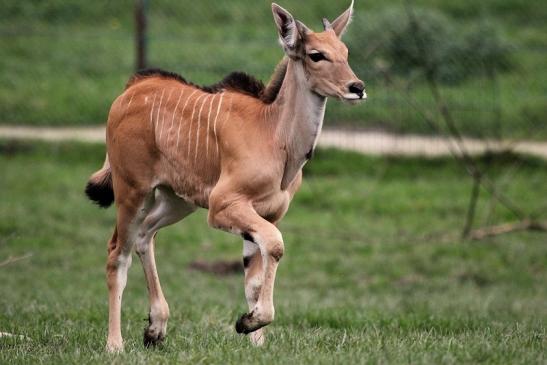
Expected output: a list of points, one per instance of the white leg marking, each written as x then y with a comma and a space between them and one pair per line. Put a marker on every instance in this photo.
115, 341
121, 275
152, 111
191, 120
182, 116
252, 286
249, 248
216, 119
199, 125
163, 119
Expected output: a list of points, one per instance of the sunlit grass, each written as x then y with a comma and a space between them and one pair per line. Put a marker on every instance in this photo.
374, 270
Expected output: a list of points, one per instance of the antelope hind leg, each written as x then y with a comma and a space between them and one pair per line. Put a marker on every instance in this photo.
118, 262
163, 208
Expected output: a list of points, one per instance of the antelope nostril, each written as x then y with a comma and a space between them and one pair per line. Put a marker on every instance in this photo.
357, 87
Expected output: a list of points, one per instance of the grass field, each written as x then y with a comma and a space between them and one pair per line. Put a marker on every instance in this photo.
374, 270
65, 61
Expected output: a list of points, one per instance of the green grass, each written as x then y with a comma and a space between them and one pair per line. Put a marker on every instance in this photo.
374, 270
65, 61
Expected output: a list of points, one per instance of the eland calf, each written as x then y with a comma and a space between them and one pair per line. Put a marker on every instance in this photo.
236, 148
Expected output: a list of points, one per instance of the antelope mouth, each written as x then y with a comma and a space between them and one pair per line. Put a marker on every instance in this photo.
354, 98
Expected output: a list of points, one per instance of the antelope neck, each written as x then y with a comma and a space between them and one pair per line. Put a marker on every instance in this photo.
299, 114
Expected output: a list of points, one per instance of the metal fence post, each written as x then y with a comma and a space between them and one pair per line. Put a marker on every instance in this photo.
140, 34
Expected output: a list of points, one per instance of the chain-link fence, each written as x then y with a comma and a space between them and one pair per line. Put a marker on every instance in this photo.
471, 75
63, 62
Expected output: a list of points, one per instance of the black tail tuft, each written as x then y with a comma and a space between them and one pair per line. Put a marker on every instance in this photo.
100, 191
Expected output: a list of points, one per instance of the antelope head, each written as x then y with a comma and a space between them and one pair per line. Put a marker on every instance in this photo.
323, 56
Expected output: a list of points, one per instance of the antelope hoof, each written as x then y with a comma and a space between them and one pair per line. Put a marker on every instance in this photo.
247, 323
257, 337
152, 337
114, 347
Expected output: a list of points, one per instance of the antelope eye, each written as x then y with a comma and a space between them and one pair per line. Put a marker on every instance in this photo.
317, 56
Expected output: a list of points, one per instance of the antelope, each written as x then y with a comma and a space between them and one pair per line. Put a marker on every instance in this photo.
236, 148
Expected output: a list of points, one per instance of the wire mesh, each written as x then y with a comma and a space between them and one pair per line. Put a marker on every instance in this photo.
65, 61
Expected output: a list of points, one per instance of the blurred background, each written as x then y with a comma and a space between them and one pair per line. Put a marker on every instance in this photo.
419, 232
65, 61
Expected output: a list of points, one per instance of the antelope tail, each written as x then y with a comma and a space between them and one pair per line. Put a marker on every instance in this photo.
99, 187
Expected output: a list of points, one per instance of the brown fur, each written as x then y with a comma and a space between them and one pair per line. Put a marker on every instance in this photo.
236, 148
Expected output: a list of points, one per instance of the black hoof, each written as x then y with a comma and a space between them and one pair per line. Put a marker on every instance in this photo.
242, 324
151, 338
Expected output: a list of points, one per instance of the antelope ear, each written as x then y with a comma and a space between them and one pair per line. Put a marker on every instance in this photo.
341, 23
286, 27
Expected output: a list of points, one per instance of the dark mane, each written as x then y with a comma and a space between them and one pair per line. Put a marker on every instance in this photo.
238, 81
270, 92
235, 81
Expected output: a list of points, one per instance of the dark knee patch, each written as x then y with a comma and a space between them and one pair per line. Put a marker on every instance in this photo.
309, 155
246, 261
248, 237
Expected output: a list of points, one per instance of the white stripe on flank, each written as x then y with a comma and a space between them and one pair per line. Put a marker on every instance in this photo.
128, 104
227, 117
174, 113
182, 116
158, 116
130, 100
199, 125
208, 126
163, 119
152, 111
191, 120
229, 111
228, 114
216, 119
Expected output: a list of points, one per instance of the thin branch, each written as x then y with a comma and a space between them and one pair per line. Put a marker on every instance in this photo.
464, 156
10, 260
471, 210
470, 162
502, 182
524, 225
458, 150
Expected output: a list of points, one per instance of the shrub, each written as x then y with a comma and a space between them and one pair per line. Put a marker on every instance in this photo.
429, 40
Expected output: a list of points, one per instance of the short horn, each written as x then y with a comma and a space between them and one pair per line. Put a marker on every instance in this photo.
327, 24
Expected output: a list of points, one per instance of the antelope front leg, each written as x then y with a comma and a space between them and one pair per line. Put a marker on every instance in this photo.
254, 275
241, 218
271, 249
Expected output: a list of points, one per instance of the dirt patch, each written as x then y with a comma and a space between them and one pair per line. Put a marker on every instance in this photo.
218, 268
11, 148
